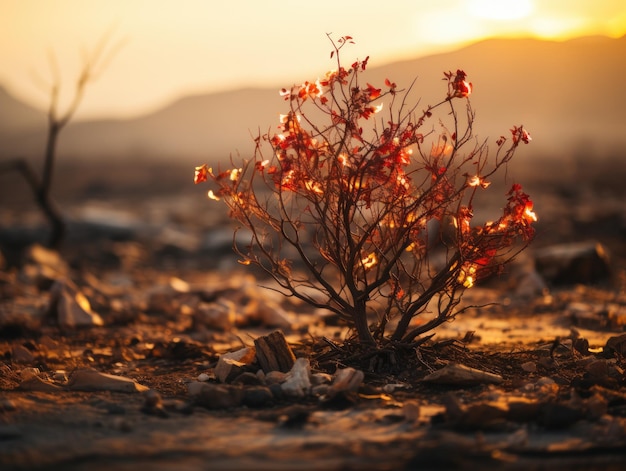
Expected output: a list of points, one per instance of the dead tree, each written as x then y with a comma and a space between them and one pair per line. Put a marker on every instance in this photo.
93, 65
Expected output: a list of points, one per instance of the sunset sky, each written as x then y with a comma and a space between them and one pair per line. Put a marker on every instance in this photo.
170, 48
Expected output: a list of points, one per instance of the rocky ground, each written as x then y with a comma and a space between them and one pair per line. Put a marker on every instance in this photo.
142, 342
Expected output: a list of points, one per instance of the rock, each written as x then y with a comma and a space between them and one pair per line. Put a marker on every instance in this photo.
529, 285
298, 382
461, 375
218, 315
615, 346
21, 354
247, 379
7, 405
320, 378
179, 285
91, 380
43, 266
35, 383
203, 377
558, 415
194, 387
27, 373
153, 404
597, 370
566, 264
523, 410
273, 352
217, 396
529, 367
482, 415
411, 410
232, 364
346, 380
71, 308
275, 377
257, 396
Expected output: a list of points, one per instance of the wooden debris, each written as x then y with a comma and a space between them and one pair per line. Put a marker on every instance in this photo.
461, 375
91, 380
274, 353
35, 383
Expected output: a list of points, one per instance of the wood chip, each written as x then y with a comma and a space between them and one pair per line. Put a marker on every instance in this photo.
274, 353
461, 375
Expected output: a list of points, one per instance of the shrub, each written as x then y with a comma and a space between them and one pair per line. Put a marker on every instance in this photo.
360, 188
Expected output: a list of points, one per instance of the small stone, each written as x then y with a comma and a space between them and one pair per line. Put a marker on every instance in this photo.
194, 388
481, 415
411, 411
320, 378
7, 405
581, 262
346, 380
60, 376
153, 404
529, 367
218, 315
152, 398
179, 286
219, 396
320, 390
71, 307
277, 391
247, 379
298, 383
523, 410
559, 416
596, 406
615, 345
257, 396
27, 373
21, 354
232, 364
35, 383
545, 381
275, 377
598, 369
391, 387
203, 377
43, 266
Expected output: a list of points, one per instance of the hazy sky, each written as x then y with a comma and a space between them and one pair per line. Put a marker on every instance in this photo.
171, 48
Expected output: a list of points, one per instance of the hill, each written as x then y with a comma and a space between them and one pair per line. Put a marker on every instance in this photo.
568, 94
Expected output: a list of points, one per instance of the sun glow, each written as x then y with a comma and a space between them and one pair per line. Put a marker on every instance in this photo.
501, 9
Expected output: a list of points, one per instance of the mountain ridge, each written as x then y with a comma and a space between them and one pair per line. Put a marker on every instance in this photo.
568, 93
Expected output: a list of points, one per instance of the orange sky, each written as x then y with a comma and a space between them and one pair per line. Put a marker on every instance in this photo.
175, 47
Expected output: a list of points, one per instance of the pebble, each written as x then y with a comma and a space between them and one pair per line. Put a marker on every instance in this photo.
529, 367
257, 396
218, 396
27, 373
21, 354
298, 383
7, 405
